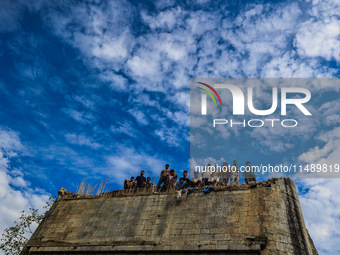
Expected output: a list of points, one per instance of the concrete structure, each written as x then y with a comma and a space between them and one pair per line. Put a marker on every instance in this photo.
263, 219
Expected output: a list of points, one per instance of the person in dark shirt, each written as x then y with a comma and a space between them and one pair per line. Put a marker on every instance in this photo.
141, 180
184, 181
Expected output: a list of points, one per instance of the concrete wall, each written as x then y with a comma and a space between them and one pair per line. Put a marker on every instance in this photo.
266, 219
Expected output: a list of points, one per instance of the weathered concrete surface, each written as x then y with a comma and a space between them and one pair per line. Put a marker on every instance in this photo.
260, 220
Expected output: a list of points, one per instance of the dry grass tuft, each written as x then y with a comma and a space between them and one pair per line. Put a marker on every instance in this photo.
87, 190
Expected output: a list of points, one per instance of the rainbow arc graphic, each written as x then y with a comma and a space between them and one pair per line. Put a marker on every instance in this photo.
209, 93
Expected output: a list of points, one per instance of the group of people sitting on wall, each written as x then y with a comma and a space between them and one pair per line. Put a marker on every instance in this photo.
139, 182
169, 178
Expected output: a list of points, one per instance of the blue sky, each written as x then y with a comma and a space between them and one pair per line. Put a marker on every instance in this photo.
101, 89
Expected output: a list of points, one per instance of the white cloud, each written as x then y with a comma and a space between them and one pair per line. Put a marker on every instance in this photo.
9, 140
139, 116
331, 112
125, 127
145, 65
319, 35
181, 44
82, 140
101, 32
320, 205
319, 39
16, 194
173, 136
129, 162
109, 48
116, 81
162, 4
167, 19
19, 182
80, 116
86, 102
279, 138
324, 9
329, 151
319, 197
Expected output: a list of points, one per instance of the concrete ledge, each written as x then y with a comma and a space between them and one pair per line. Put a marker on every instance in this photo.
147, 248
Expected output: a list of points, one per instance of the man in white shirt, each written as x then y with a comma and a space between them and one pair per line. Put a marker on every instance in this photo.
214, 178
225, 174
197, 180
206, 175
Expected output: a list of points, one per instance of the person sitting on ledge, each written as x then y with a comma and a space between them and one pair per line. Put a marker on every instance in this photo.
170, 180
184, 181
206, 175
214, 179
234, 178
251, 176
129, 184
225, 174
197, 180
141, 180
148, 183
246, 173
164, 175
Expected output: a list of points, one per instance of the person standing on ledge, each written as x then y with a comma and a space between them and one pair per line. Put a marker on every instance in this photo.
164, 175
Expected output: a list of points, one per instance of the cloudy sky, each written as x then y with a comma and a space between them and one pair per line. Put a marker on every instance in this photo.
101, 89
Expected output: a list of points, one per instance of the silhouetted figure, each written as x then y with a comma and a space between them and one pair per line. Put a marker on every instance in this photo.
141, 180
148, 183
129, 184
